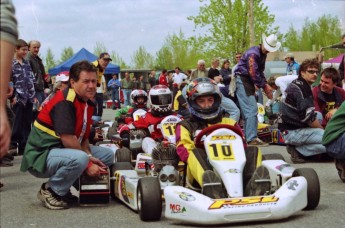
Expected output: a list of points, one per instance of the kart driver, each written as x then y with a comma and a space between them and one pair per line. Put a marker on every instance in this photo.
204, 98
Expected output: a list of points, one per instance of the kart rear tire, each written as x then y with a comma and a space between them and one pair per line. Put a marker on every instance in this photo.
272, 157
149, 199
123, 155
113, 169
313, 186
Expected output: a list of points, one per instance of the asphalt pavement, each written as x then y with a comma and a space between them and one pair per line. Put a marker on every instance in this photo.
19, 206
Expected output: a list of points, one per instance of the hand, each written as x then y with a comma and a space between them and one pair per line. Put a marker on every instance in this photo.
94, 170
10, 92
98, 162
330, 114
268, 91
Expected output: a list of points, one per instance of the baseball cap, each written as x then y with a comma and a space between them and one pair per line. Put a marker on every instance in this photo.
63, 77
289, 55
107, 56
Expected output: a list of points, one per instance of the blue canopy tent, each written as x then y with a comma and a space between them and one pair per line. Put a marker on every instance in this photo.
83, 54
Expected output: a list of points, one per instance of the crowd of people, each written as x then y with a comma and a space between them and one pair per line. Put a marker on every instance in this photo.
311, 119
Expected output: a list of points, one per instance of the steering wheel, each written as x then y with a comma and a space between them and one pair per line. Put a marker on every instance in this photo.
209, 129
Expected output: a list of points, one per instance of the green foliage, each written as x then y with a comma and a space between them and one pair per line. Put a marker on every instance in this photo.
142, 59
314, 35
66, 54
99, 48
49, 60
118, 60
227, 25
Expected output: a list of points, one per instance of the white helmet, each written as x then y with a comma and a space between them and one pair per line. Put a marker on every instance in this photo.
135, 94
160, 100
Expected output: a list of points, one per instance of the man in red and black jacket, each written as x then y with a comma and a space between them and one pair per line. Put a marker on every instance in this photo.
58, 147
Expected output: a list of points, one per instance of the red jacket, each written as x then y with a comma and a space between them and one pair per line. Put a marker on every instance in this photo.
163, 80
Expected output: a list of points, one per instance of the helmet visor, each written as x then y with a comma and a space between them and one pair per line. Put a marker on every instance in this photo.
162, 99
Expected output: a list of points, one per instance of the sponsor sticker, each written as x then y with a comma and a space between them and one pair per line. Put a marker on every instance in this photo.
177, 209
292, 184
223, 137
186, 196
217, 204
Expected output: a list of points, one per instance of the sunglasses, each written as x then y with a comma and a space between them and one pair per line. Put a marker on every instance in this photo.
313, 71
106, 60
238, 57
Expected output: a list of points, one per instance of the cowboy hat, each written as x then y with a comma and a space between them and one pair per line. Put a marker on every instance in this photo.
270, 42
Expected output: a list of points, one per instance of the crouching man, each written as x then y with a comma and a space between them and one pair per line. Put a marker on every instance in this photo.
58, 146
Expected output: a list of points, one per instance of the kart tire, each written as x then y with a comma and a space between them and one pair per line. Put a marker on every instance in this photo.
272, 157
149, 199
113, 169
313, 186
123, 155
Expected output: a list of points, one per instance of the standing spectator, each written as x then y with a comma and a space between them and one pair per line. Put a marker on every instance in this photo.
249, 75
135, 83
237, 58
101, 63
163, 79
114, 84
127, 85
200, 72
292, 66
178, 77
24, 96
58, 147
327, 96
342, 64
38, 69
152, 79
301, 130
141, 83
8, 36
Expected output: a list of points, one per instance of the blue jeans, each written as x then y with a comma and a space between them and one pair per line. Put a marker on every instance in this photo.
230, 107
127, 97
249, 110
335, 149
115, 96
64, 166
40, 96
308, 141
260, 96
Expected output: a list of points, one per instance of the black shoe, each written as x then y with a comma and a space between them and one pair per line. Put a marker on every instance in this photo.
5, 162
70, 198
50, 199
259, 184
340, 166
212, 185
13, 151
296, 157
9, 157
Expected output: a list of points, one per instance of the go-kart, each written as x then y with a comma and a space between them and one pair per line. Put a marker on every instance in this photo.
140, 188
292, 190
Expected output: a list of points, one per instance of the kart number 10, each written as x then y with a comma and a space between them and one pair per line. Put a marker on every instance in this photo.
219, 151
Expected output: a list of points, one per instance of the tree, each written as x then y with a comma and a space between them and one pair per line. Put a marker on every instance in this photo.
314, 35
142, 59
49, 60
227, 25
66, 54
99, 48
118, 60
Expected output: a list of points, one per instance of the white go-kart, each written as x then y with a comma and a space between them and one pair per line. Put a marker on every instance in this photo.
291, 191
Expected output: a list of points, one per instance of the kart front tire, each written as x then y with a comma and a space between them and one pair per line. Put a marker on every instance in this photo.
272, 157
113, 169
149, 199
123, 155
313, 186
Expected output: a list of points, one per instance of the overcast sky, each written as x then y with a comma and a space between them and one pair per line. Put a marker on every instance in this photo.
124, 25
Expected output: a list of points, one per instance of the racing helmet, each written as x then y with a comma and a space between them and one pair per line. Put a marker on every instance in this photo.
203, 87
136, 94
160, 99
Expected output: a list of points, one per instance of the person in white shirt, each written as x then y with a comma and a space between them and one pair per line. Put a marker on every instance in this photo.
178, 78
279, 84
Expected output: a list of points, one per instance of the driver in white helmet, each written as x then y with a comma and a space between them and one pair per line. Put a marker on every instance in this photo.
204, 99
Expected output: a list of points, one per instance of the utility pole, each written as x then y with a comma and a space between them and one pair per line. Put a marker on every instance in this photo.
251, 23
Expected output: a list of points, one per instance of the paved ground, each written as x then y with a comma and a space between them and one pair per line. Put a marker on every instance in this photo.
19, 206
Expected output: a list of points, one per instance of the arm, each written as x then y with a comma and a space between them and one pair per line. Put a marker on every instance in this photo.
104, 85
184, 142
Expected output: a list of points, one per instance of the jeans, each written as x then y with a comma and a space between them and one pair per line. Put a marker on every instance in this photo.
230, 107
21, 126
335, 149
249, 110
127, 97
99, 105
40, 96
115, 96
308, 141
260, 96
64, 166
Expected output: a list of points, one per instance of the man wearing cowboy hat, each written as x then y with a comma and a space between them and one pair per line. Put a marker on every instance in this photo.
249, 77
